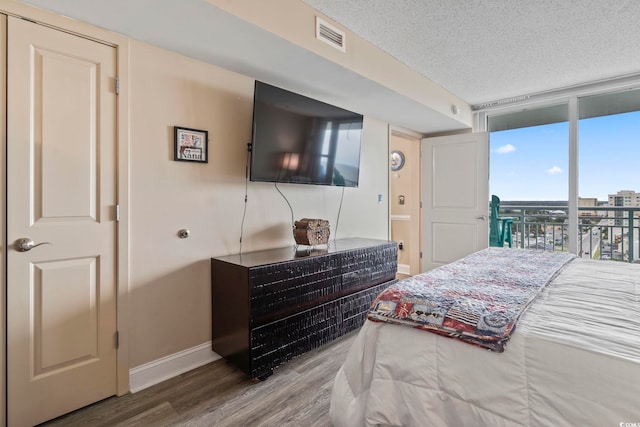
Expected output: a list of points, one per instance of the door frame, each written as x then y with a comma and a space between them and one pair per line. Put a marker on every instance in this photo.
416, 223
121, 44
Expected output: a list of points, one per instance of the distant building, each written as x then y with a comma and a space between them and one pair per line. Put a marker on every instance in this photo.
587, 202
627, 199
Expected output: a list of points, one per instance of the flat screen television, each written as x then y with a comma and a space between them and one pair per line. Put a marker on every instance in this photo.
301, 140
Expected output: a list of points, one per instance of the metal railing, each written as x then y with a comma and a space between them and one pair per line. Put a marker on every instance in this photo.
605, 233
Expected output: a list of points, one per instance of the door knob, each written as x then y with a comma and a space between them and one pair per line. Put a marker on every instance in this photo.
26, 244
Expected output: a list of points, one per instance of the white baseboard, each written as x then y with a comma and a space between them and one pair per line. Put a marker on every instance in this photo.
162, 369
404, 269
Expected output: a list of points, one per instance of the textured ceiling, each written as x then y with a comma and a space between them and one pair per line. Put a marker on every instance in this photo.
486, 50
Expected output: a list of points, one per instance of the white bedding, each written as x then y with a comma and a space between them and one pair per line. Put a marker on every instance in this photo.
574, 360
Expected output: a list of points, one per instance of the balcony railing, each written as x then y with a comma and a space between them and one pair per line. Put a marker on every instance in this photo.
605, 233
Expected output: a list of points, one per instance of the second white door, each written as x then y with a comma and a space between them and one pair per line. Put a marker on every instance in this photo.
455, 188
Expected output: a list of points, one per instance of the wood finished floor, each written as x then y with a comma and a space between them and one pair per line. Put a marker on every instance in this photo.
217, 394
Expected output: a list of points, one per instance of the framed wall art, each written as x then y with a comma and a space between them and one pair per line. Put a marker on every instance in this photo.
191, 145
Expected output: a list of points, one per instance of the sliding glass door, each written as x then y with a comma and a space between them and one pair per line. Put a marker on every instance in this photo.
528, 172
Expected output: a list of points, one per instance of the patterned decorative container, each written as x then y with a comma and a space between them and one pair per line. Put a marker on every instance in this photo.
311, 232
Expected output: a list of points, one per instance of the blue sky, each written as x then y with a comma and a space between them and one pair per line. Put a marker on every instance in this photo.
532, 163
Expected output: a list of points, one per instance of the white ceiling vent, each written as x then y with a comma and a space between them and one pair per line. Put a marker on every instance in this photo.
330, 34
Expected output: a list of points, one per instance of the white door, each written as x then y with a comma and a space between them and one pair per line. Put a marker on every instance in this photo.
61, 153
455, 197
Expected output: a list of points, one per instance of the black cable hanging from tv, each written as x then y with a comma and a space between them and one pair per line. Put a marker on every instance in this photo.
289, 204
246, 192
335, 234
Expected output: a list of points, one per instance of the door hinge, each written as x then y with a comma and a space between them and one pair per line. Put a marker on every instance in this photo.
420, 204
117, 337
117, 86
117, 213
420, 254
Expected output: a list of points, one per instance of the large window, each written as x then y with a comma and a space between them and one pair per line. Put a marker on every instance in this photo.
609, 175
530, 165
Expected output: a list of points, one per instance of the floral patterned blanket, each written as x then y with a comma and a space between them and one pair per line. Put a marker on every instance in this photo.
477, 299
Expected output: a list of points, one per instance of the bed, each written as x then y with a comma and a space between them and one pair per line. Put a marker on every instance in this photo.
572, 360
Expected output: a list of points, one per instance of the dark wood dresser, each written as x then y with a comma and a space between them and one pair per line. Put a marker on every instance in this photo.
269, 306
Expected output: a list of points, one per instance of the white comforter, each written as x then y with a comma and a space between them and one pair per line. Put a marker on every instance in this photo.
574, 360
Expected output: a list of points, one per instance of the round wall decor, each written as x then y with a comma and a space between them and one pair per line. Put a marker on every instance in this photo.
397, 160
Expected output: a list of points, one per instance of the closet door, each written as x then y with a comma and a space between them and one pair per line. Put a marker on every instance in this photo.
61, 224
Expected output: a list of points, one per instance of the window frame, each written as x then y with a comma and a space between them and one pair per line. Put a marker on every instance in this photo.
570, 97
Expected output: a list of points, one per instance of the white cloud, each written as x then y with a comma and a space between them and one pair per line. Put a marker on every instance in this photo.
506, 149
554, 170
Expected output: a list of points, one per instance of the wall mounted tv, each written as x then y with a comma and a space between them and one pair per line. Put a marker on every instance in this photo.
302, 140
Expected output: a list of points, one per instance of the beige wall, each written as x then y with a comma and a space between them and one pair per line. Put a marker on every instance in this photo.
168, 305
170, 278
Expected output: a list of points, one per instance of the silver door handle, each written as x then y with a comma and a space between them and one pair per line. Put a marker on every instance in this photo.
482, 217
25, 244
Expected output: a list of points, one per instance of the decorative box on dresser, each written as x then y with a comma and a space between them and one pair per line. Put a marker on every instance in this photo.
269, 306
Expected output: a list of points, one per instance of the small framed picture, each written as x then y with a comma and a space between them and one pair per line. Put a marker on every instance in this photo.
191, 145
